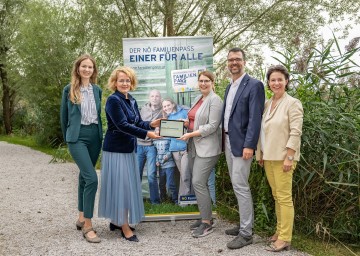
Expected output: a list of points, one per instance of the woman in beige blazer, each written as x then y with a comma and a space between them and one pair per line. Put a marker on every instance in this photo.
279, 150
204, 146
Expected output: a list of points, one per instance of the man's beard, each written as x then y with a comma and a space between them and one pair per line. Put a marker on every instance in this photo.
239, 71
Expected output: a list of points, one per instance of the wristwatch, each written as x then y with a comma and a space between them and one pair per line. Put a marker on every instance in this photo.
290, 158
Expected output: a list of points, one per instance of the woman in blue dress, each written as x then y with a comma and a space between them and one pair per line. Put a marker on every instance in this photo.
120, 194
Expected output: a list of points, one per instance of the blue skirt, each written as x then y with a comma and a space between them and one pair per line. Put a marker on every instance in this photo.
121, 198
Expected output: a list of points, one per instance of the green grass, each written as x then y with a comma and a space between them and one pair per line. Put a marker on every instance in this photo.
28, 142
322, 247
168, 208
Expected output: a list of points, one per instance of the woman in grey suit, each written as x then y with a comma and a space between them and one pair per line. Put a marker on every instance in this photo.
82, 131
204, 135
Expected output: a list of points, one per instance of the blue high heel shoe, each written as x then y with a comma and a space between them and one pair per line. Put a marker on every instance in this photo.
112, 227
132, 238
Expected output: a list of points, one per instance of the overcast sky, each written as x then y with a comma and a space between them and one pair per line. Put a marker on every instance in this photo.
326, 33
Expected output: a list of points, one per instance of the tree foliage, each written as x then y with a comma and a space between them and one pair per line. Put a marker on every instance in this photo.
242, 23
51, 34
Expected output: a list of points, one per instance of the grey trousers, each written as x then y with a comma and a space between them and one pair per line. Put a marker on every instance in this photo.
201, 169
239, 171
182, 163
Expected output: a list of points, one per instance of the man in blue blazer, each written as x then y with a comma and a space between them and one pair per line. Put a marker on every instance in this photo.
243, 108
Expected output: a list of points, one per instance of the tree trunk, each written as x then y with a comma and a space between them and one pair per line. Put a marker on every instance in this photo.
170, 24
6, 99
169, 17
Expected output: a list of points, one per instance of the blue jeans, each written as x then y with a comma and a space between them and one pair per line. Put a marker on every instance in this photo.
167, 182
211, 185
148, 154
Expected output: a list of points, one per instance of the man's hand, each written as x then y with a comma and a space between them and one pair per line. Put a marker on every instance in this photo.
248, 153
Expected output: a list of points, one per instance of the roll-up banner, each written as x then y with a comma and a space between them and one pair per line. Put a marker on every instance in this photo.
170, 65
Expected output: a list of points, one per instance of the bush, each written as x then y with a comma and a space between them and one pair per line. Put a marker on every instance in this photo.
326, 183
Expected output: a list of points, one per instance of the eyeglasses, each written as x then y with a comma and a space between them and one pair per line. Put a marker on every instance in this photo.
122, 81
204, 81
235, 60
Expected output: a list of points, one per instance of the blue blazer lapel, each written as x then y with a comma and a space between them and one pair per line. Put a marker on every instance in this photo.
239, 92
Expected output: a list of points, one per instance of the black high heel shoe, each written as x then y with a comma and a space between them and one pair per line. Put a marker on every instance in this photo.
112, 227
132, 238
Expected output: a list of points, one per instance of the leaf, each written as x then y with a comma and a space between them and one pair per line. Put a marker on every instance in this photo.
344, 149
336, 42
265, 211
325, 162
342, 183
308, 179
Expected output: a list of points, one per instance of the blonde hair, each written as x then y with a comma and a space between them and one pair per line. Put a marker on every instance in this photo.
75, 95
127, 71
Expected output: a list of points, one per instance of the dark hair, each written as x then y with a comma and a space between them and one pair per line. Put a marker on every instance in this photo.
281, 69
237, 49
208, 74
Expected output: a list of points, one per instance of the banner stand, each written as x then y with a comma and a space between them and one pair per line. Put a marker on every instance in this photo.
174, 216
170, 65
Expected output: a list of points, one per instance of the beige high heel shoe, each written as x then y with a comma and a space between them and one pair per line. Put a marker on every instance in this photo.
79, 224
273, 248
273, 238
95, 239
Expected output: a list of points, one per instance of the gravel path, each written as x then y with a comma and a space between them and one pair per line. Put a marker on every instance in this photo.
38, 213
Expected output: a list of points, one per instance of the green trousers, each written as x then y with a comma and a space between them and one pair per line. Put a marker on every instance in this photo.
85, 152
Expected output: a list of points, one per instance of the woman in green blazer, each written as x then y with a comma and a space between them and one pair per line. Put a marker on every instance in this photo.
82, 131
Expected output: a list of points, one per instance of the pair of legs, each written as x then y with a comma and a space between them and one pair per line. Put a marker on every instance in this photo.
201, 170
167, 183
148, 154
181, 159
281, 187
182, 163
239, 171
85, 153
